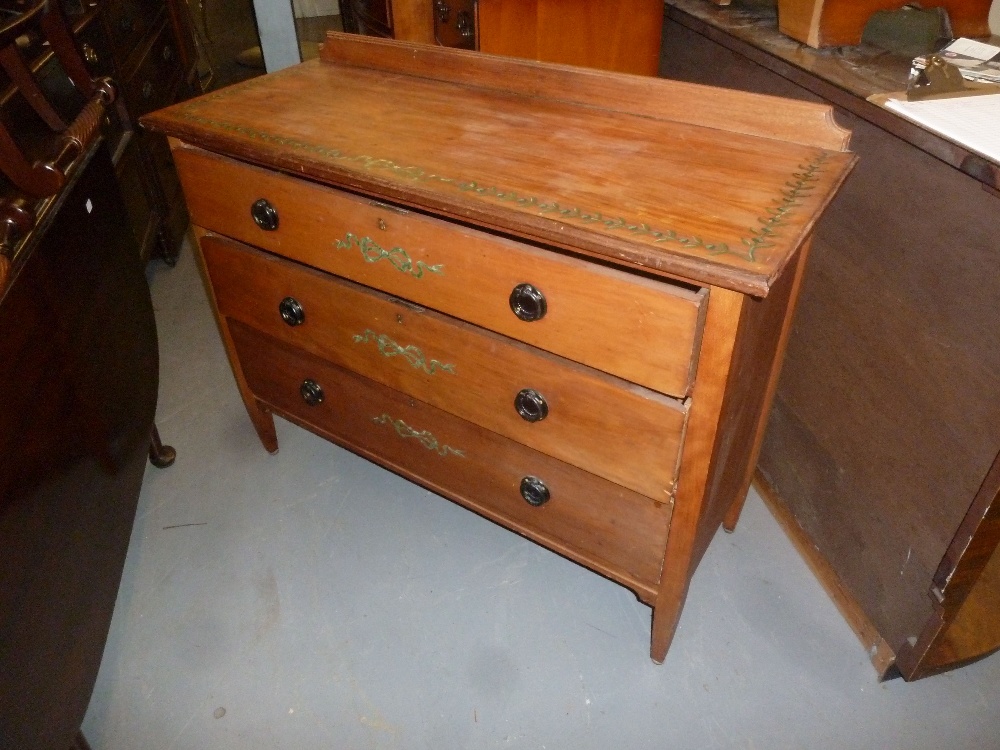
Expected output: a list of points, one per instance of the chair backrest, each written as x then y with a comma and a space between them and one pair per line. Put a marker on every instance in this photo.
36, 179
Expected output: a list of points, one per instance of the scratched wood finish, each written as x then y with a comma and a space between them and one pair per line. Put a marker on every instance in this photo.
458, 368
640, 329
394, 123
604, 34
836, 23
591, 520
655, 192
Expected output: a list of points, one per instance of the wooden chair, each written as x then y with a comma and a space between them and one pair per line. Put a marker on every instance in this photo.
38, 160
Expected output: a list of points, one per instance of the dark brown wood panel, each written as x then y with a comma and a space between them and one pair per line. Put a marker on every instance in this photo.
885, 421
78, 383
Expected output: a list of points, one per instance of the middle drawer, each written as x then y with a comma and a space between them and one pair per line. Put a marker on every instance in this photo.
609, 427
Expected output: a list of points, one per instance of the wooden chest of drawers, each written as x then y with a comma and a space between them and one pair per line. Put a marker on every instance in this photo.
556, 296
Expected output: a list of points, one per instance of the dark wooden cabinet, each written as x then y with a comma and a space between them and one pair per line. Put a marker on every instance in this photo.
78, 385
881, 453
146, 47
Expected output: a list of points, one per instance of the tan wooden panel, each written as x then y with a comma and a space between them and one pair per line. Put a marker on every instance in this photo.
639, 329
591, 520
458, 368
606, 34
836, 23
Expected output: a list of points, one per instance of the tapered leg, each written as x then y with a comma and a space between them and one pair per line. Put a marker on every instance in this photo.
263, 423
733, 514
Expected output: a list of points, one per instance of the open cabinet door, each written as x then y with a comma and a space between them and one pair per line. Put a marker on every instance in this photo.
966, 593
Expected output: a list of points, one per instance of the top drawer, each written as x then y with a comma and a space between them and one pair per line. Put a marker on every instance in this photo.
639, 329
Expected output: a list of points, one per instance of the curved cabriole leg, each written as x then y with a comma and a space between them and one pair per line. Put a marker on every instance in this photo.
160, 455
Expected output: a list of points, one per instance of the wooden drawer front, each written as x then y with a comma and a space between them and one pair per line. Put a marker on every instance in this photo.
127, 22
454, 366
587, 518
156, 78
638, 329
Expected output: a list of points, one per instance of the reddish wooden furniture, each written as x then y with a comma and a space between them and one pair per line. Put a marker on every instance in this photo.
605, 34
555, 295
78, 384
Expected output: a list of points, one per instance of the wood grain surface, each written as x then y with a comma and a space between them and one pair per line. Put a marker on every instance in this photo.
694, 199
640, 329
458, 368
604, 34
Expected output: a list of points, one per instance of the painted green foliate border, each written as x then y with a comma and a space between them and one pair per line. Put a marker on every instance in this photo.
412, 354
776, 215
373, 252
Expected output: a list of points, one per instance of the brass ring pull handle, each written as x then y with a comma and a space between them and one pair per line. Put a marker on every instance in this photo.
534, 491
528, 303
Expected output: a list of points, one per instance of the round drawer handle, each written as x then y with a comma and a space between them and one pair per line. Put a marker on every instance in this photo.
147, 89
265, 215
534, 491
528, 303
531, 405
312, 392
292, 311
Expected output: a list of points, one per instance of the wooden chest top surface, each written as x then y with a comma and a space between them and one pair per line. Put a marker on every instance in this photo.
544, 160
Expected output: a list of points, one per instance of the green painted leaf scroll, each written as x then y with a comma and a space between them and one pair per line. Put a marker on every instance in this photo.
424, 437
373, 252
412, 354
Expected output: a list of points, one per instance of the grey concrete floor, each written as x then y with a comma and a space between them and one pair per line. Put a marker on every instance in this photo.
313, 600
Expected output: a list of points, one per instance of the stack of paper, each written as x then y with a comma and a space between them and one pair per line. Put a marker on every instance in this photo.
971, 121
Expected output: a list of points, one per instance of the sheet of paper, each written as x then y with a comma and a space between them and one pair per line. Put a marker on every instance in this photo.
971, 121
972, 48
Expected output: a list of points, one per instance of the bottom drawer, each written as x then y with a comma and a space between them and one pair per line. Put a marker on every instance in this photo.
591, 520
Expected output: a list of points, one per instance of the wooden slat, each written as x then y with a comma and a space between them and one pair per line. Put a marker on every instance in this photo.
733, 111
